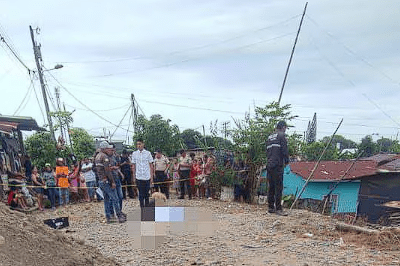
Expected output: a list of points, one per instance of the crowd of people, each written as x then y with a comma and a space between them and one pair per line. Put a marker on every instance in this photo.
111, 178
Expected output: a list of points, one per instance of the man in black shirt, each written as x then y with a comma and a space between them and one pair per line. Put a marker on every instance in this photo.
277, 159
127, 172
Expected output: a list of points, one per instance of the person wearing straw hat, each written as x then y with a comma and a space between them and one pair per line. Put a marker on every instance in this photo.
277, 158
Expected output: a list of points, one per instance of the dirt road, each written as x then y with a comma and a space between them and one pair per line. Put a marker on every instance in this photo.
245, 235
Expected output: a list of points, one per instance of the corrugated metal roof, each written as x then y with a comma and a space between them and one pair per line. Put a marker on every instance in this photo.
393, 165
8, 127
381, 158
22, 123
334, 170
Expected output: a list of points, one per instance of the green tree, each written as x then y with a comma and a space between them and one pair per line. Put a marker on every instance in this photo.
342, 141
41, 148
157, 133
368, 146
384, 145
62, 119
313, 151
395, 148
251, 133
191, 137
82, 143
295, 142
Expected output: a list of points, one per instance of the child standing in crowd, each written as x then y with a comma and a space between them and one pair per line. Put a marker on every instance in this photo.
49, 179
39, 187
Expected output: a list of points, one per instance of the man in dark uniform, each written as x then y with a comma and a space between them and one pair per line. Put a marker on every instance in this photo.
107, 183
277, 158
125, 167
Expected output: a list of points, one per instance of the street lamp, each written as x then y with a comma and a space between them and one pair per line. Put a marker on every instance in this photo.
58, 66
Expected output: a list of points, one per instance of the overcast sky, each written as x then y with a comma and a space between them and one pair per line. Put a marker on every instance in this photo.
195, 62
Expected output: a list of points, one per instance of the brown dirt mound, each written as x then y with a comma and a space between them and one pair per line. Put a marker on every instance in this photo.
25, 240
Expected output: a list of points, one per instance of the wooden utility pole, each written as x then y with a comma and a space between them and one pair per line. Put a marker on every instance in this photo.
291, 55
38, 56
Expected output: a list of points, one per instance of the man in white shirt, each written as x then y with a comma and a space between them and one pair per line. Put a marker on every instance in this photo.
90, 177
143, 171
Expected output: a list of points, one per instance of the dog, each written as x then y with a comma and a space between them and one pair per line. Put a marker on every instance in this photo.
158, 199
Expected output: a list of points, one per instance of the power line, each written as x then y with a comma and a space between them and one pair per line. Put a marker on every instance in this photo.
186, 96
377, 106
129, 125
188, 59
40, 107
248, 32
73, 96
14, 53
120, 123
346, 124
354, 53
106, 110
23, 100
332, 64
191, 107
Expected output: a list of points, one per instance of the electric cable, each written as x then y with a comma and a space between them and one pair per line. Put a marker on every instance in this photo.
120, 123
40, 107
249, 32
23, 100
79, 101
187, 60
14, 53
129, 125
350, 51
186, 96
377, 106
106, 110
192, 107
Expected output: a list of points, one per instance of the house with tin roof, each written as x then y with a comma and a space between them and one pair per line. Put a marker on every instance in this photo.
369, 187
326, 176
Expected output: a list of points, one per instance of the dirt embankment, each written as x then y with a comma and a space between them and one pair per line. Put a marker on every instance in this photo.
246, 235
25, 240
